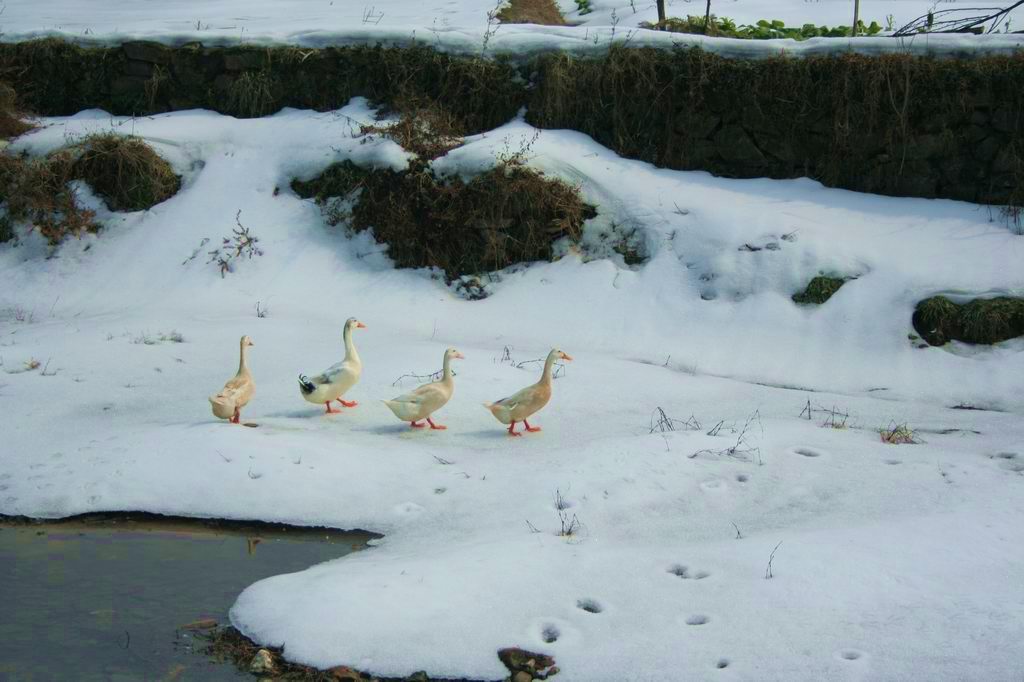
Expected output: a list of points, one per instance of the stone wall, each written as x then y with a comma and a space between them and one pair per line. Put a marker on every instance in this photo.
56, 78
892, 124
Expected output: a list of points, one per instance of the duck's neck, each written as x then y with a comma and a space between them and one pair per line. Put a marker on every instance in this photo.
546, 377
243, 366
350, 348
447, 374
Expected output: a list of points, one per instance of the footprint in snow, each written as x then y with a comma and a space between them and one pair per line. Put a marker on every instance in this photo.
893, 462
549, 634
1010, 461
698, 619
589, 605
851, 655
742, 478
722, 664
683, 572
808, 452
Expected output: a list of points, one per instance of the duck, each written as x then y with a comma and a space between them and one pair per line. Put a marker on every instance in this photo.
521, 405
238, 391
422, 402
336, 380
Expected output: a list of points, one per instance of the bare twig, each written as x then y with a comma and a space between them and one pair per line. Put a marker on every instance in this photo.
959, 20
560, 502
661, 422
240, 243
559, 366
768, 575
433, 376
570, 525
371, 17
743, 448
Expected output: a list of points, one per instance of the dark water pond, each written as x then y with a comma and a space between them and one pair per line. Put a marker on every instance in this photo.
108, 597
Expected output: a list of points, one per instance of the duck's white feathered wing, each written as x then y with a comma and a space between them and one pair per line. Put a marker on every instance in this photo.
416, 404
502, 409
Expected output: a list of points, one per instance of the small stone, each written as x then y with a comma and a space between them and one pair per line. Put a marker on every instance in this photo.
418, 676
128, 85
262, 662
735, 146
522, 676
147, 51
243, 61
140, 69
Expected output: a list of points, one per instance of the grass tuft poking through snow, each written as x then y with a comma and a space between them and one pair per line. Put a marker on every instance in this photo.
898, 434
819, 290
981, 321
124, 170
507, 215
424, 128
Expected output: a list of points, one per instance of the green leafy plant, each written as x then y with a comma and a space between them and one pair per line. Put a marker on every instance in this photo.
723, 27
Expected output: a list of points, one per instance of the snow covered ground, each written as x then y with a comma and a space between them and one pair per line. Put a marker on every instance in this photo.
467, 26
897, 562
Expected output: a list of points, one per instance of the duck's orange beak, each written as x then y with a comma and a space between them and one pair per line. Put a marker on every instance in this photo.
360, 325
251, 343
460, 356
566, 356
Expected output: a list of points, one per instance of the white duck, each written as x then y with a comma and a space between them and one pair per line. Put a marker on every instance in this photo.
337, 379
428, 398
521, 405
237, 392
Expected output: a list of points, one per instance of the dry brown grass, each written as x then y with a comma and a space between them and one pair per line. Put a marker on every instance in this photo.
11, 123
425, 129
507, 215
37, 191
898, 434
125, 171
543, 12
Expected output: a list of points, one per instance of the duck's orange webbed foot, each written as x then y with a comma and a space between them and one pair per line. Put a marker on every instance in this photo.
329, 410
531, 429
436, 427
416, 425
347, 403
511, 430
